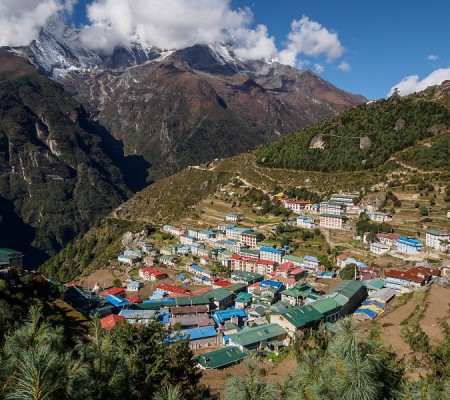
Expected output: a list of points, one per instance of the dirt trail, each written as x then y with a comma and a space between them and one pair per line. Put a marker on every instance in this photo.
438, 302
391, 328
276, 374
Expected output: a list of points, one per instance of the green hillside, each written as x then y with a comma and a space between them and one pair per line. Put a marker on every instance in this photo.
364, 137
190, 196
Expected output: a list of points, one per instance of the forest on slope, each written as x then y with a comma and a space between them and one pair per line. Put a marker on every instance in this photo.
364, 137
59, 171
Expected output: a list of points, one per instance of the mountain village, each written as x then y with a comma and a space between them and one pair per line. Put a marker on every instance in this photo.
232, 290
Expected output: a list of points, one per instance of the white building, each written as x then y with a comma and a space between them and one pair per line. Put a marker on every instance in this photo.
437, 240
379, 248
269, 253
173, 230
378, 216
305, 222
348, 199
295, 205
333, 221
194, 232
233, 217
235, 233
333, 207
409, 246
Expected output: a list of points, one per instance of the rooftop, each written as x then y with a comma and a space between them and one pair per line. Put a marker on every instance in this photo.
257, 334
271, 250
301, 315
435, 232
220, 358
348, 288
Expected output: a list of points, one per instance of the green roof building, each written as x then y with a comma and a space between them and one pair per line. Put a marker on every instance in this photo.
249, 253
257, 338
11, 258
296, 260
297, 318
245, 277
354, 292
329, 308
220, 358
222, 298
237, 288
242, 300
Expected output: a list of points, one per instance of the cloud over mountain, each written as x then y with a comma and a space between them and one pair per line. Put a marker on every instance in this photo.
171, 24
21, 20
413, 83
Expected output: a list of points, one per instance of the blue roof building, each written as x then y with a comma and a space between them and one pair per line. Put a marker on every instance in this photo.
220, 317
266, 283
408, 245
117, 301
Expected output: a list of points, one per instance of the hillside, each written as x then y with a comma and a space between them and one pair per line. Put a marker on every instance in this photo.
59, 171
366, 137
204, 193
185, 106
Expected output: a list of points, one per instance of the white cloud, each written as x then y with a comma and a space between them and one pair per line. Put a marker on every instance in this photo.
432, 57
174, 24
21, 20
254, 43
344, 66
319, 68
311, 39
412, 83
171, 24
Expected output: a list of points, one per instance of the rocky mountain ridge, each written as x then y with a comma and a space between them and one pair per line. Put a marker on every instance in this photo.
185, 106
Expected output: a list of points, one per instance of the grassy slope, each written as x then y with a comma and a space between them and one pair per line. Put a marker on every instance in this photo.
173, 200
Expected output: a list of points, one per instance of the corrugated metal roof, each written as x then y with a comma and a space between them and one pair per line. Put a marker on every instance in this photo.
301, 315
220, 358
257, 334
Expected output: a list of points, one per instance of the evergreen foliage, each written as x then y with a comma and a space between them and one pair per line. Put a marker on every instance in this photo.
361, 138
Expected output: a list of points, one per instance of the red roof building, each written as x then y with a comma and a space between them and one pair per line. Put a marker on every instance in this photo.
220, 283
173, 289
135, 299
151, 274
115, 291
111, 321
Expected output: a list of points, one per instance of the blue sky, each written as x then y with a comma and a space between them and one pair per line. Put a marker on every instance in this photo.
362, 46
385, 40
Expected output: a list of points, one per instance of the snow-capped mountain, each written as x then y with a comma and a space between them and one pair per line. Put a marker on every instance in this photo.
59, 49
184, 106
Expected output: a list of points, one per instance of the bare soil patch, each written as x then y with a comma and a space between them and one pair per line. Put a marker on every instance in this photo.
438, 309
216, 379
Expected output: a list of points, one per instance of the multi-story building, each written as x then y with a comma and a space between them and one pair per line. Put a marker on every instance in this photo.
305, 222
437, 240
333, 207
333, 221
388, 239
311, 262
250, 238
348, 199
269, 253
235, 233
379, 216
11, 258
265, 267
295, 205
243, 263
173, 230
409, 246
413, 278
